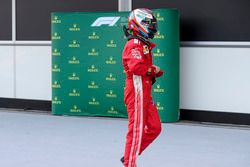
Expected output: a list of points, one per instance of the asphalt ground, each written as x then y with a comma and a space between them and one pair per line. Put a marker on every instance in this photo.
39, 139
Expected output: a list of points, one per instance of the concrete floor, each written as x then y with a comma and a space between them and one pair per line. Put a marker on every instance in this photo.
43, 140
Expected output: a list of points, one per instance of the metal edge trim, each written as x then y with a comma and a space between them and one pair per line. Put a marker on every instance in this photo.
25, 43
214, 44
182, 43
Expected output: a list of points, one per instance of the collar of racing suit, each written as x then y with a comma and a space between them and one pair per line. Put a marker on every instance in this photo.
146, 41
130, 35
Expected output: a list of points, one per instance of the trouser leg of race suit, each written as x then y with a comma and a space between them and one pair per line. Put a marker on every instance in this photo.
143, 128
152, 126
133, 136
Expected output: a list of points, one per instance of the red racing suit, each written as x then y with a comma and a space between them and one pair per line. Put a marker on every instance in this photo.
143, 120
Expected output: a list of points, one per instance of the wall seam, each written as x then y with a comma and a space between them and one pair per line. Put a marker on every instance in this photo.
124, 5
13, 43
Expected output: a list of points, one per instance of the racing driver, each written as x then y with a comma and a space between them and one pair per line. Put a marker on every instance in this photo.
143, 120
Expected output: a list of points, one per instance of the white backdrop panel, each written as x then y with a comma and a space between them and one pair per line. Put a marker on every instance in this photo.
33, 80
215, 79
7, 71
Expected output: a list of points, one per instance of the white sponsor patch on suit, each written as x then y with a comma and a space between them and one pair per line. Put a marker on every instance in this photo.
136, 54
136, 41
145, 49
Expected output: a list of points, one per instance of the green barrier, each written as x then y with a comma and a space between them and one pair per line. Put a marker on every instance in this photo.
87, 73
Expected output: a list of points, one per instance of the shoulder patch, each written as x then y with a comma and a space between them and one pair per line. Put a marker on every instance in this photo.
136, 41
145, 49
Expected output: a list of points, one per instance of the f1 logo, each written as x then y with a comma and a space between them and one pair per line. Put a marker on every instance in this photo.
110, 21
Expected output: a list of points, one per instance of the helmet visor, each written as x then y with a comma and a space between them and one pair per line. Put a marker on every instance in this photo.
151, 24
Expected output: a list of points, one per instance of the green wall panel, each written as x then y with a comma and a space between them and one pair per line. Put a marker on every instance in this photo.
87, 73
